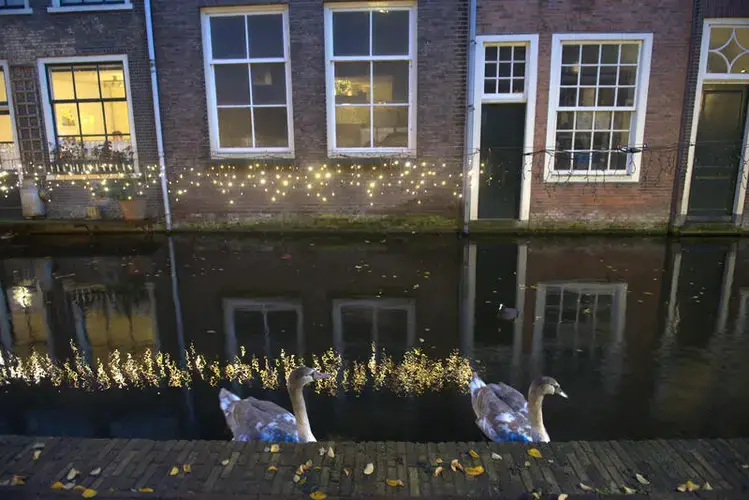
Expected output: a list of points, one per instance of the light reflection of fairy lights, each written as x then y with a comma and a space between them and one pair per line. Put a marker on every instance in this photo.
416, 373
22, 296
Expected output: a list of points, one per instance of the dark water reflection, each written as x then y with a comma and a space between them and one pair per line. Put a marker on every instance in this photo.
648, 337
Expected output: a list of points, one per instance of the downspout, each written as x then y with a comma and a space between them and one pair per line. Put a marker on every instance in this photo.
157, 117
470, 154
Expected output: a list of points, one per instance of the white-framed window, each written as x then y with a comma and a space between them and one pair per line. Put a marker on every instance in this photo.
9, 153
263, 327
11, 7
505, 69
370, 52
88, 5
728, 49
248, 80
597, 106
88, 110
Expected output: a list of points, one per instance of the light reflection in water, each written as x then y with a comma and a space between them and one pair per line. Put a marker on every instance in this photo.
414, 374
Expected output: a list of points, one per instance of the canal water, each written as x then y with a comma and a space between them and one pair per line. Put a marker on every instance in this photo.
127, 337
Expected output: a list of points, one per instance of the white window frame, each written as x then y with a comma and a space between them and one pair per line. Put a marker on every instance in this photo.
26, 9
408, 305
703, 77
49, 124
232, 305
333, 150
6, 71
637, 129
530, 42
217, 151
57, 7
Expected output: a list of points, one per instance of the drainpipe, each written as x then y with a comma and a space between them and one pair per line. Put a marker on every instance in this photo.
157, 117
470, 110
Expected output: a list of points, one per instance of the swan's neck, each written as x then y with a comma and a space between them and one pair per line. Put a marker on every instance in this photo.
536, 416
300, 413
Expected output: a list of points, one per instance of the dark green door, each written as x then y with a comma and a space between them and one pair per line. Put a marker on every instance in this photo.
502, 134
717, 152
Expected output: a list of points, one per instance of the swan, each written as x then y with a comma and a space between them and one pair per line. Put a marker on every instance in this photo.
503, 414
253, 419
507, 313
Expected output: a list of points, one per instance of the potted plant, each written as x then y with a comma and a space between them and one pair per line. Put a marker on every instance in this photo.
130, 194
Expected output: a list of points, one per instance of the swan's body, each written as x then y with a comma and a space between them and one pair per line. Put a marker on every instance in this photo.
507, 313
253, 419
503, 414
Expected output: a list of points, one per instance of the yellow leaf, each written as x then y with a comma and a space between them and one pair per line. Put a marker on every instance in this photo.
369, 469
331, 453
68, 486
296, 478
690, 486
36, 454
707, 487
95, 472
473, 454
439, 461
317, 495
174, 471
146, 490
78, 487
641, 479
745, 466
536, 495
682, 488
535, 453
474, 471
585, 487
308, 463
17, 480
455, 465
394, 482
562, 496
88, 493
274, 448
438, 471
225, 462
629, 491
187, 468
272, 468
71, 475
347, 472
318, 468
57, 485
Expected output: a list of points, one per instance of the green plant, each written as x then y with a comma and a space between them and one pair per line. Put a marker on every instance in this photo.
127, 188
70, 150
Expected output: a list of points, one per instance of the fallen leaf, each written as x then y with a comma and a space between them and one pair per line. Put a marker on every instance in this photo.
707, 486
745, 466
17, 480
535, 453
36, 454
682, 488
474, 471
272, 468
369, 469
146, 490
79, 487
439, 461
321, 451
296, 478
225, 462
266, 449
347, 472
455, 465
527, 463
274, 448
641, 479
308, 463
95, 472
57, 485
302, 481
394, 482
331, 453
88, 493
318, 468
71, 475
536, 495
627, 490
496, 456
688, 486
562, 496
5, 482
187, 468
317, 495
68, 486
174, 471
473, 453
38, 446
585, 487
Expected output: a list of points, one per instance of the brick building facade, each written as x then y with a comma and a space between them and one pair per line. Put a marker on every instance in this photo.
310, 107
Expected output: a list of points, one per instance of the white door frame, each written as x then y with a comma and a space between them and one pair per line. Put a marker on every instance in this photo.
704, 78
529, 97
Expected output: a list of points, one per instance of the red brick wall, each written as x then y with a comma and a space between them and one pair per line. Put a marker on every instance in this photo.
670, 22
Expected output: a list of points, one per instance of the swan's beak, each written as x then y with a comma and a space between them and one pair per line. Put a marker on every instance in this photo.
321, 376
561, 393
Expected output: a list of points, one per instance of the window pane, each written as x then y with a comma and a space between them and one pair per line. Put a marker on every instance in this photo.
619, 139
390, 32
603, 120
518, 53
625, 96
61, 81
86, 83
716, 64
112, 80
607, 75
518, 70
587, 97
66, 119
606, 96
92, 118
601, 140
627, 75
228, 37
268, 83
351, 33
570, 75
600, 161
3, 87
271, 130
504, 86
610, 54
589, 75
490, 54
490, 86
490, 69
518, 85
117, 118
582, 140
564, 141
6, 131
630, 52
505, 53
266, 35
391, 82
590, 54
622, 120
235, 127
565, 120
352, 127
570, 54
584, 121
568, 96
232, 84
741, 65
505, 69
391, 126
352, 82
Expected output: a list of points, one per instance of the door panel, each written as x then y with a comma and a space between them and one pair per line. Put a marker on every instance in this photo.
717, 153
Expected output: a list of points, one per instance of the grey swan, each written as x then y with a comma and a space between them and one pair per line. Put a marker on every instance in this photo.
253, 419
503, 414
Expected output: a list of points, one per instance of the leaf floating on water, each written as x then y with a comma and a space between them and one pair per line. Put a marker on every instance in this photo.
688, 486
95, 472
38, 446
36, 454
394, 482
174, 471
455, 465
438, 471
347, 472
535, 494
473, 453
146, 490
274, 448
707, 487
187, 468
585, 487
296, 478
535, 453
57, 485
641, 479
5, 482
496, 456
68, 486
308, 463
562, 496
439, 461
474, 471
331, 453
527, 463
88, 493
317, 495
628, 491
321, 451
369, 469
225, 462
17, 480
272, 468
71, 475
745, 466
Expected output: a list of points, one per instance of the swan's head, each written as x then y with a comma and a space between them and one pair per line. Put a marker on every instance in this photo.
549, 387
304, 375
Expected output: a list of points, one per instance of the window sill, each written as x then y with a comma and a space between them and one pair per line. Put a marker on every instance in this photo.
372, 153
90, 177
89, 8
16, 12
594, 178
252, 155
